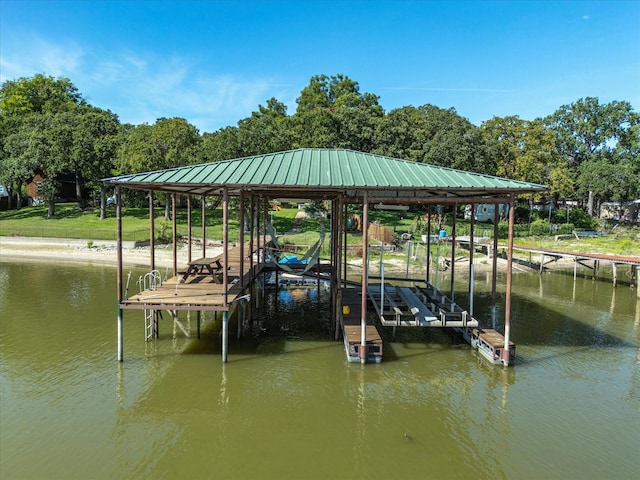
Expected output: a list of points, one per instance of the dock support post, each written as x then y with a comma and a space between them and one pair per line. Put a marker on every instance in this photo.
174, 234
152, 234
471, 288
365, 276
472, 249
428, 244
409, 245
494, 271
203, 216
120, 336
119, 273
188, 228
225, 273
614, 267
453, 252
638, 281
225, 335
507, 307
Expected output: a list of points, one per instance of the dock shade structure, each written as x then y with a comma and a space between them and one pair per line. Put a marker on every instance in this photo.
338, 177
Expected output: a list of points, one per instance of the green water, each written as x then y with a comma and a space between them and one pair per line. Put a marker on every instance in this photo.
288, 405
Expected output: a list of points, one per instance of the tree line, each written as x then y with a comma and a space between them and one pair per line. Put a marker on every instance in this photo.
585, 151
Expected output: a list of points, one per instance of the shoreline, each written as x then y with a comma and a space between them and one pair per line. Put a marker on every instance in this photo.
68, 250
104, 252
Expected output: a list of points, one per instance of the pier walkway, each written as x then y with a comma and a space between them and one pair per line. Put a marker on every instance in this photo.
548, 256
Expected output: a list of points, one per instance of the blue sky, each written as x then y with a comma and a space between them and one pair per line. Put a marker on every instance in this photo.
214, 62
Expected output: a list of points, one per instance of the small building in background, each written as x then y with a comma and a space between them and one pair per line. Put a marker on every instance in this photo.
620, 212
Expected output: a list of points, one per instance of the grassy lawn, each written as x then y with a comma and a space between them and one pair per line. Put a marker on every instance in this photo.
71, 222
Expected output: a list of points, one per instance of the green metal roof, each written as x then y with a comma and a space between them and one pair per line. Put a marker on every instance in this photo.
315, 172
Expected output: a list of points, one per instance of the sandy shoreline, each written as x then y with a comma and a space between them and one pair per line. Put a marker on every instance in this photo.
99, 251
104, 252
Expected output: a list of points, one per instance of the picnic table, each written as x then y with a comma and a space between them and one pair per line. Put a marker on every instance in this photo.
200, 266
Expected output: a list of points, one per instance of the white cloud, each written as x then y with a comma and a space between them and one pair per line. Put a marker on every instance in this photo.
143, 86
23, 59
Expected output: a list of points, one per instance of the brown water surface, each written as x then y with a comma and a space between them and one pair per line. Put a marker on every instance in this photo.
288, 405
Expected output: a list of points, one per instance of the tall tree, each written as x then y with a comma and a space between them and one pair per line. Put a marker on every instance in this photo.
429, 134
38, 94
170, 142
38, 144
587, 130
220, 145
265, 130
525, 150
95, 142
336, 91
332, 112
24, 104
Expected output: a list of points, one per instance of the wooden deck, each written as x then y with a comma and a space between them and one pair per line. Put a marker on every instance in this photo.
492, 337
199, 286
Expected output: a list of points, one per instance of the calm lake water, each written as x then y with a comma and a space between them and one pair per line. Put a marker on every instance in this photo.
288, 405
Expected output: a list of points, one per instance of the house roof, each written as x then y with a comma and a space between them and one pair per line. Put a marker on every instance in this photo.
323, 173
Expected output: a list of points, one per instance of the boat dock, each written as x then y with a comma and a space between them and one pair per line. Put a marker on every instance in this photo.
550, 256
341, 181
200, 286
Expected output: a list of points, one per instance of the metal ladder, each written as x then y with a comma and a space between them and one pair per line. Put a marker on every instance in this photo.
150, 324
151, 280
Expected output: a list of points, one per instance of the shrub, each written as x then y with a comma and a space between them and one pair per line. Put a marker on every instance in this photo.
566, 228
539, 227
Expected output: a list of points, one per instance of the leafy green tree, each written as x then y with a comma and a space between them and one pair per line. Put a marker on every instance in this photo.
333, 113
526, 151
17, 165
28, 105
587, 130
264, 131
220, 145
315, 129
170, 142
95, 142
336, 91
402, 133
429, 134
38, 94
608, 180
36, 145
358, 127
